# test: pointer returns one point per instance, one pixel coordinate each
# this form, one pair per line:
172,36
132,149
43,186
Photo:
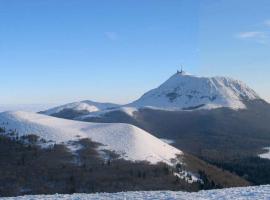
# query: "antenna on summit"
180,72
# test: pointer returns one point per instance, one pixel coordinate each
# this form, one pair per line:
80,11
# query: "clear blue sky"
58,51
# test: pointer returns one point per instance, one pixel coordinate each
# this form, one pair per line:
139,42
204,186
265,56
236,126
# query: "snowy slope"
87,105
183,91
245,193
127,110
129,141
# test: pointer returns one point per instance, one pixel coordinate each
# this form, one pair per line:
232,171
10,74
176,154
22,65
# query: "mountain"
218,119
181,91
47,155
128,141
228,138
185,92
82,107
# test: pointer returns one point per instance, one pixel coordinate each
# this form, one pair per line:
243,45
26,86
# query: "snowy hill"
87,106
129,111
128,141
244,193
187,92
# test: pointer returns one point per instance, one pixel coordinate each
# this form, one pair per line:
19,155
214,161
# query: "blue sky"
58,51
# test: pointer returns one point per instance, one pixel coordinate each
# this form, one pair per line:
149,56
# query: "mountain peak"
183,91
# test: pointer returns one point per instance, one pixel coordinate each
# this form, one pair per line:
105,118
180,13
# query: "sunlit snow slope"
183,91
89,106
129,141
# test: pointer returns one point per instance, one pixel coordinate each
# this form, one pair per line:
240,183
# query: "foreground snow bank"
247,193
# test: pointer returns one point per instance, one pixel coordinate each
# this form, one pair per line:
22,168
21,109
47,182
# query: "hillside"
47,155
128,141
229,138
220,120
82,107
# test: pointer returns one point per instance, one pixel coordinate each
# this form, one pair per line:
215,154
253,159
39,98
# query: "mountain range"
180,92
189,133
217,119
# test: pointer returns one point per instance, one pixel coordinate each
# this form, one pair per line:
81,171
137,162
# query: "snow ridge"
186,92
89,106
130,142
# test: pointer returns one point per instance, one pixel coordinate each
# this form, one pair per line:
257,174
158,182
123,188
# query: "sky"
60,51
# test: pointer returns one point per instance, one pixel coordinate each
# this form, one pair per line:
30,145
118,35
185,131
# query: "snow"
265,155
128,110
168,141
181,91
187,176
245,193
184,91
87,105
130,142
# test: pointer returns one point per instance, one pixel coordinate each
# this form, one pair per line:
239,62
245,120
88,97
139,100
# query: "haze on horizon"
54,52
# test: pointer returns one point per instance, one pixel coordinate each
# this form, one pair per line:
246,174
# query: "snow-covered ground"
265,155
247,193
128,110
183,91
168,141
130,142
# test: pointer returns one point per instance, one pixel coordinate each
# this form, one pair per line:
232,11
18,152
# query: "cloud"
257,36
111,35
260,36
251,34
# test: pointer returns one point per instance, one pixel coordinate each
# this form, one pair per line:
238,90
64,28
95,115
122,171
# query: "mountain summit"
183,91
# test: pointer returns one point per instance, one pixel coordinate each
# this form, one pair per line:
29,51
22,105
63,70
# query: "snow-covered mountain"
130,142
86,106
180,92
186,92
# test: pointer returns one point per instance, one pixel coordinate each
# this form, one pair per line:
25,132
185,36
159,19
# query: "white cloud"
257,36
261,36
111,35
251,34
